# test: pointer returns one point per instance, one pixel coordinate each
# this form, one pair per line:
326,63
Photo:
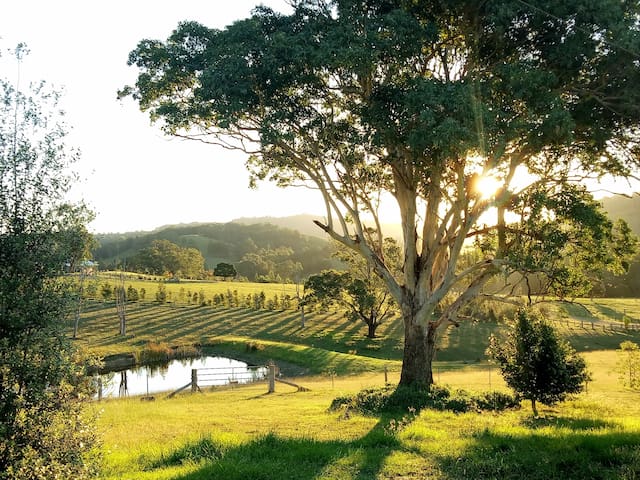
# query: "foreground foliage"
43,431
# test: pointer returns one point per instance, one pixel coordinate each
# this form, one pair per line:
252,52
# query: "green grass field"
246,433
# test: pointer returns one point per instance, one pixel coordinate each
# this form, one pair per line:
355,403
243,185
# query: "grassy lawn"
246,433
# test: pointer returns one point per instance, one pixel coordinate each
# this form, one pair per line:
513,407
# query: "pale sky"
135,178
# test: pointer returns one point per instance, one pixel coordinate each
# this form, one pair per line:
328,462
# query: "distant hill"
626,208
302,223
617,207
223,242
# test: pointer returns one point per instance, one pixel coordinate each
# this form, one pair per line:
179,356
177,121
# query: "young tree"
132,294
536,363
42,380
161,293
121,304
479,119
107,291
358,290
628,364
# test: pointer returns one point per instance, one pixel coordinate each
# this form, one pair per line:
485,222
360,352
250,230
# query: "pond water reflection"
145,380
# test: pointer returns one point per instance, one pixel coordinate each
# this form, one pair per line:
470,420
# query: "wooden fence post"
271,376
386,373
194,380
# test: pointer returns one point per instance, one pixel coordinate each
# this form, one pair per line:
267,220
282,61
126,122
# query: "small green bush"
254,347
399,399
497,401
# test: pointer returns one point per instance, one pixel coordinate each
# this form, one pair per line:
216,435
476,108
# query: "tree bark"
371,333
419,351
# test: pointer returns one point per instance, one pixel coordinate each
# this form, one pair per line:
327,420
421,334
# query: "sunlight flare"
486,186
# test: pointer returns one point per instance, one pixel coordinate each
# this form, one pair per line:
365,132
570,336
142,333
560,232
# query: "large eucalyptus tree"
425,101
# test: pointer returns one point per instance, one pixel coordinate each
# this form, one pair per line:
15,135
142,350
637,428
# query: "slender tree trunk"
419,351
371,333
533,407
76,324
299,299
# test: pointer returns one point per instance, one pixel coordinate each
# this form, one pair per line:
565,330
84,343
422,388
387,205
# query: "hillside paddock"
244,432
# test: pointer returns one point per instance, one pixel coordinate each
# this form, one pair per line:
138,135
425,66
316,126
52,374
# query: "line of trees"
229,299
269,265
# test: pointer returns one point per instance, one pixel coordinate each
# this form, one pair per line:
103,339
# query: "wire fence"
600,325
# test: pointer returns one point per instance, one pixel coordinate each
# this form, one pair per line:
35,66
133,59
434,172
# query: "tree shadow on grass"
274,457
547,455
549,448
575,424
609,312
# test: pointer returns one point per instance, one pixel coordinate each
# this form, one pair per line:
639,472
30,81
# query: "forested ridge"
254,249
297,239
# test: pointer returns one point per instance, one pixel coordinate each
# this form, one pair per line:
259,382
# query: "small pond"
169,377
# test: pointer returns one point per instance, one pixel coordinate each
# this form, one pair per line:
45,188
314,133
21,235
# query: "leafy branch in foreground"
44,432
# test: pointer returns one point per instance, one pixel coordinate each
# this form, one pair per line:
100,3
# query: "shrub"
154,352
132,294
186,351
106,290
254,347
497,401
400,399
161,352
